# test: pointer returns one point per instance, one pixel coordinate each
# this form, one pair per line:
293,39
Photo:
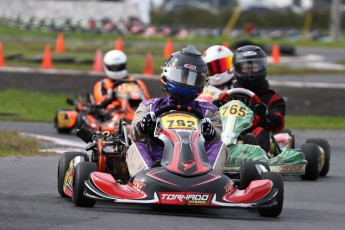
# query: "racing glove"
271,122
147,124
260,109
207,129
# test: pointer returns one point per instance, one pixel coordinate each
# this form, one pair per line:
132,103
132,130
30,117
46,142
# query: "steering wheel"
179,108
244,95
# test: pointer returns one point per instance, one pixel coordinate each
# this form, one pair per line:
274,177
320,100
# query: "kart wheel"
63,165
249,172
327,153
82,173
79,122
277,180
312,155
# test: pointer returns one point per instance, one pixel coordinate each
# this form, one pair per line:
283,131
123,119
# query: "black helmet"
250,65
184,74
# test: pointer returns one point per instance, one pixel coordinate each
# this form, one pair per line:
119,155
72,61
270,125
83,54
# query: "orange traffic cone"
168,50
148,65
47,62
2,61
226,44
98,63
275,54
60,44
118,44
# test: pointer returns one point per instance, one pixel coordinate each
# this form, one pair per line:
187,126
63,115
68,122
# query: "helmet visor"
251,66
185,76
219,66
116,68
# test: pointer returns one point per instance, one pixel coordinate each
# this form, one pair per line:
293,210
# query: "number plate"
233,109
179,121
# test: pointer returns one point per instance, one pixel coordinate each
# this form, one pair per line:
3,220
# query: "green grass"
19,105
83,46
108,39
34,106
315,122
14,144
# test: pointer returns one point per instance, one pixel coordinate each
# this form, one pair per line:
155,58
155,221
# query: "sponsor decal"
138,183
189,66
249,53
187,164
229,187
68,180
185,198
292,168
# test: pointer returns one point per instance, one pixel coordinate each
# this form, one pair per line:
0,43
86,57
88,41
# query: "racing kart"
86,113
310,161
183,177
108,154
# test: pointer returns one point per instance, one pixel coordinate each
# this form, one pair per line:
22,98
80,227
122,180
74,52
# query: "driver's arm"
275,119
137,135
100,93
216,123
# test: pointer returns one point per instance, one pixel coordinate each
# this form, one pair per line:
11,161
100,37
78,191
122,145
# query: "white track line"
58,141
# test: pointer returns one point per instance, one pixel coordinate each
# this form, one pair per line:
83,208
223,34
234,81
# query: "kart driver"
183,76
115,68
221,75
250,69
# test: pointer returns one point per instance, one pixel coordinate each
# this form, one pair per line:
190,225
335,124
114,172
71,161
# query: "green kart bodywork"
237,117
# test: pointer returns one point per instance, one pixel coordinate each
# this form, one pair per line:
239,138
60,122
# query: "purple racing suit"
145,150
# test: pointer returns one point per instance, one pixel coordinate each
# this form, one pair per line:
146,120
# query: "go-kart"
183,177
310,161
108,154
86,113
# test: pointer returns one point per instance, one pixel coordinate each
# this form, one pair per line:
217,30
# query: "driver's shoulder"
208,106
152,101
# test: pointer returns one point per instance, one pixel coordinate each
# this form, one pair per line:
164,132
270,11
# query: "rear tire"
311,154
82,173
63,165
248,172
327,151
277,181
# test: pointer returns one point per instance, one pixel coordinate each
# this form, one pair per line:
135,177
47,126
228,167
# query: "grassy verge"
25,48
108,39
34,106
18,105
14,144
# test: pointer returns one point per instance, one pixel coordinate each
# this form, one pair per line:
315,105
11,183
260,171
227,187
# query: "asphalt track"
29,198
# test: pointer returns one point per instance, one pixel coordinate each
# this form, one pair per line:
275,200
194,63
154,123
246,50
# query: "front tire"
63,165
278,184
248,172
311,154
82,173
327,152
